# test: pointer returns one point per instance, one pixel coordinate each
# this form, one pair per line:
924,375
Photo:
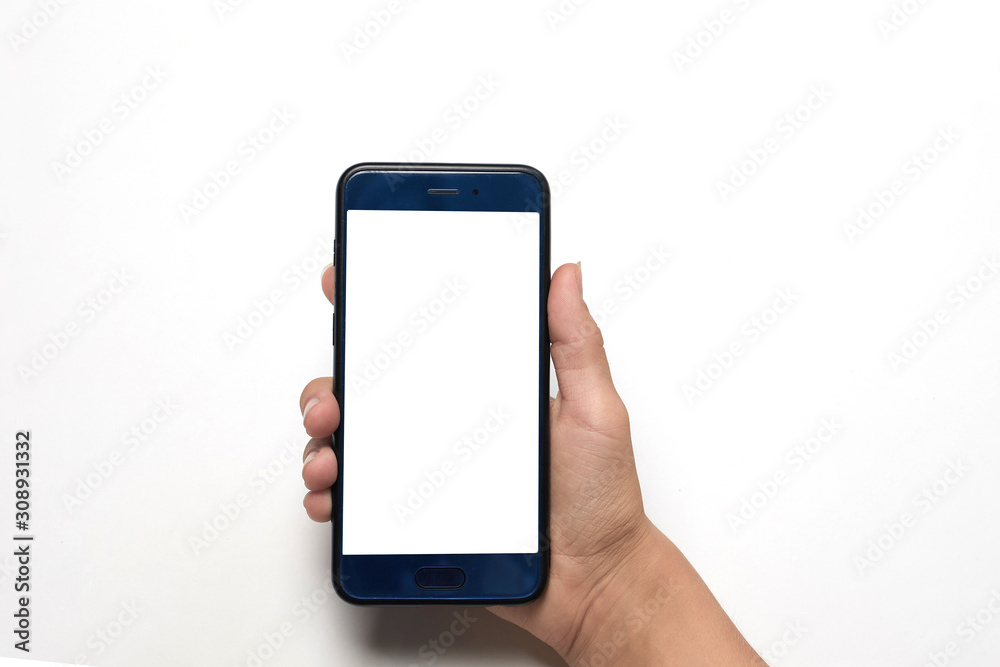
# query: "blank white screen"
441,383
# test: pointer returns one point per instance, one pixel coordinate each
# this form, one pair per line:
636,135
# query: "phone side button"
334,329
440,577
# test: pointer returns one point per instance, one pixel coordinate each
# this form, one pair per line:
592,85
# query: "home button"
440,577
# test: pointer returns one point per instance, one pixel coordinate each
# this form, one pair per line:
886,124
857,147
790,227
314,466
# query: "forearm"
655,609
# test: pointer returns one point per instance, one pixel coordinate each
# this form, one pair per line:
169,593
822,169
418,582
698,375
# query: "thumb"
577,345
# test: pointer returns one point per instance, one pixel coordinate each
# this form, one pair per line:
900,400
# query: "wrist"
635,588
652,607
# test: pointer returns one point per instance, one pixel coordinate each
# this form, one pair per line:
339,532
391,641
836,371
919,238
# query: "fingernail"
310,457
323,272
309,406
579,277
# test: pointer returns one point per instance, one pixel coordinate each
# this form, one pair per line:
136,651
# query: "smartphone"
441,369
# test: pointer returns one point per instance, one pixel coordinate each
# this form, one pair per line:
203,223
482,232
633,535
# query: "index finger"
328,283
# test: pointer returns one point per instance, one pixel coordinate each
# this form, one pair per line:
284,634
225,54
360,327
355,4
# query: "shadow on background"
418,636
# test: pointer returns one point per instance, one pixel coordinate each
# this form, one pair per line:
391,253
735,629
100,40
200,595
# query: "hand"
619,591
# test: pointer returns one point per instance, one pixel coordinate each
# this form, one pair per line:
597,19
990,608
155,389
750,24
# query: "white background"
676,131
